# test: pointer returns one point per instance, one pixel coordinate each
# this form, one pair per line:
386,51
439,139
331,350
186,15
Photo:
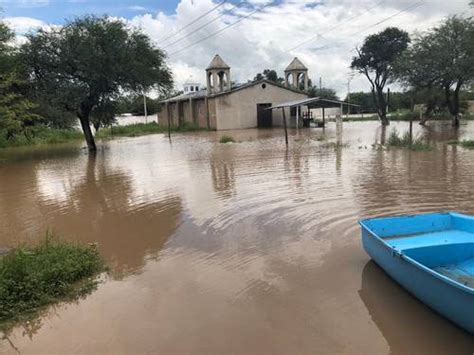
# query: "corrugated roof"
312,101
296,64
217,63
190,95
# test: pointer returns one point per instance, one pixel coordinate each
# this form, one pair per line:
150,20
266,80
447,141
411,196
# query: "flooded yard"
245,248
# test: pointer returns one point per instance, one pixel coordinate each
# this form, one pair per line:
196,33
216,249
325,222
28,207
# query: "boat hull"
455,302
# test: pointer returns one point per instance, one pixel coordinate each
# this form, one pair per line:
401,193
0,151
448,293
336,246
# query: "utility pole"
144,108
320,85
348,96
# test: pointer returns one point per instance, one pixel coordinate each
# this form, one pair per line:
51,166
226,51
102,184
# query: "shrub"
227,139
404,141
32,277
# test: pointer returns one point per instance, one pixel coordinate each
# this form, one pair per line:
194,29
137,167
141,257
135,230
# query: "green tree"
364,99
89,61
376,58
442,59
325,93
16,112
269,74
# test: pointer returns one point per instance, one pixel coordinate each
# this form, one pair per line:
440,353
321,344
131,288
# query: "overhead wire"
171,35
221,30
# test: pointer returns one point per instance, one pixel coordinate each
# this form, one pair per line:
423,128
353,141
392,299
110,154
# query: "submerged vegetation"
397,140
227,139
468,144
140,129
132,130
33,277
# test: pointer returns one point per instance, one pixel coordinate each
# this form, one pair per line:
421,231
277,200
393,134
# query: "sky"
250,35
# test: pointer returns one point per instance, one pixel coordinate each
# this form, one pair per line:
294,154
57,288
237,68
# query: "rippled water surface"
237,248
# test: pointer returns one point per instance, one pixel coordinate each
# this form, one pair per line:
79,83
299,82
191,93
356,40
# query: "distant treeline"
397,101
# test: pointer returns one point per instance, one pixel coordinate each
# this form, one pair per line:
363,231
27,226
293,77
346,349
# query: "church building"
222,105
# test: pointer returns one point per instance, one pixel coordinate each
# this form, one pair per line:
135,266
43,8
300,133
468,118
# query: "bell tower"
296,75
218,76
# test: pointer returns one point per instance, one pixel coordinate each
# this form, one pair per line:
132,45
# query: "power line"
195,30
165,38
221,30
334,27
413,6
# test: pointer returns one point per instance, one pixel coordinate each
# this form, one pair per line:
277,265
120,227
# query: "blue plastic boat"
430,255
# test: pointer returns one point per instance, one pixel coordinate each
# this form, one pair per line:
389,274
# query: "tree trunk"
86,128
452,100
455,121
382,107
96,126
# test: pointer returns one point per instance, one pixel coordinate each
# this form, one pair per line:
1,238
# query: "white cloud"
264,39
136,8
332,29
23,25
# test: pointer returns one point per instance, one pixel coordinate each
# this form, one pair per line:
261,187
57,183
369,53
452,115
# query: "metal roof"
313,102
217,63
296,64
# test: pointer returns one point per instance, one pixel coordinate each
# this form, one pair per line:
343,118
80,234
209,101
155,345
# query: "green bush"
469,144
404,141
227,139
31,277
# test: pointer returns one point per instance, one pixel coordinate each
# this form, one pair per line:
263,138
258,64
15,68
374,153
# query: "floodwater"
246,248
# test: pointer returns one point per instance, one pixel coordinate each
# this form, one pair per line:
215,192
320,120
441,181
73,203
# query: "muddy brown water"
246,248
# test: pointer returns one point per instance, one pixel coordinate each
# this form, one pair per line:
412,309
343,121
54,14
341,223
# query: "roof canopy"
217,63
313,102
296,64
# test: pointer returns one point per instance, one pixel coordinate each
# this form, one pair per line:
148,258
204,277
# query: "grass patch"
41,135
468,144
403,141
33,277
132,130
335,145
141,129
227,139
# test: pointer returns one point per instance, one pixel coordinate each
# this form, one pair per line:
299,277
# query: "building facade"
223,106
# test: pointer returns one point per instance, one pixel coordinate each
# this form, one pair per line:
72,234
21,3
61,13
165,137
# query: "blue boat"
430,255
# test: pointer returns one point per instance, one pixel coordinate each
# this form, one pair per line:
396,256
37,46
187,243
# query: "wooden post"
324,119
144,109
191,111
284,125
206,103
297,117
169,119
411,130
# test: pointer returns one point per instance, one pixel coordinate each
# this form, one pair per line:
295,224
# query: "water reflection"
409,326
98,209
253,244
222,169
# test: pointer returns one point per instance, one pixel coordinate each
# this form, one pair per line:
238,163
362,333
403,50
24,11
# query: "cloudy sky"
250,35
